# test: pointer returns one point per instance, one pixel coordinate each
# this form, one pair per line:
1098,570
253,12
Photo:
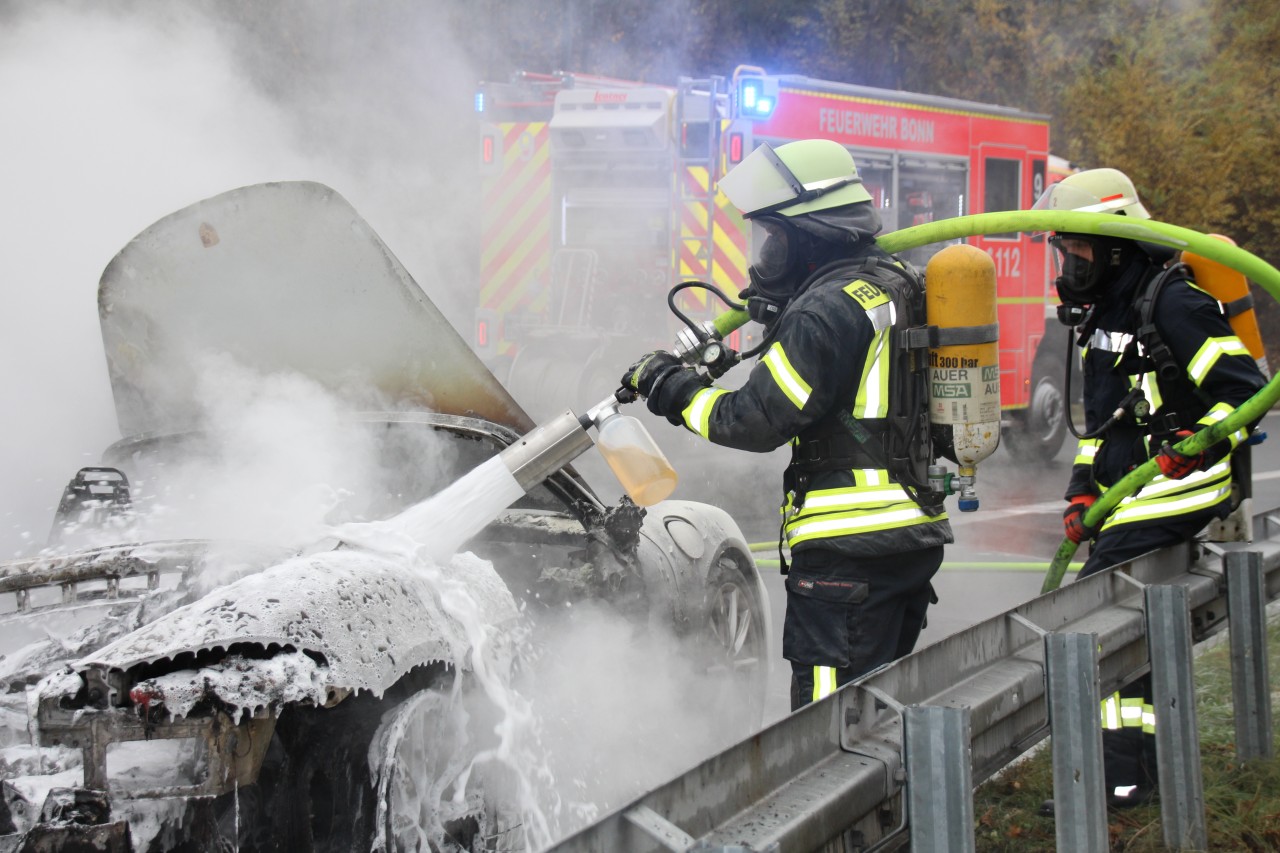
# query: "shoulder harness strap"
1166,366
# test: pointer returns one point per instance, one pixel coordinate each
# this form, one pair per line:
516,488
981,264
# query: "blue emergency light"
480,101
757,97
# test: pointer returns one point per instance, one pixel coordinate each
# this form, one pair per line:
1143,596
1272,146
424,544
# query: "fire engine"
599,195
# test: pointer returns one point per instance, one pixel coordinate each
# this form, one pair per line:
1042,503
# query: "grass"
1242,803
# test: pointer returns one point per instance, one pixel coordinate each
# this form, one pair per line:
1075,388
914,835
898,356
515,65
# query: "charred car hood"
282,277
364,618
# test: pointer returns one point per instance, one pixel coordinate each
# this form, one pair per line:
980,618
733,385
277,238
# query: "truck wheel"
1037,433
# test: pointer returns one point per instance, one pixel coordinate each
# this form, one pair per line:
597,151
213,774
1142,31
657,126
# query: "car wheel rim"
733,626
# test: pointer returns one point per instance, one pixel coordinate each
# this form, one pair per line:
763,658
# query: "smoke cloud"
118,116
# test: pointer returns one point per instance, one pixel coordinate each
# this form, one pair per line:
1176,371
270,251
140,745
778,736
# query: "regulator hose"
1109,225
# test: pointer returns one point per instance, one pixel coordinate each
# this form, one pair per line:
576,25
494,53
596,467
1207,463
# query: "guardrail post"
1177,739
1250,685
939,779
1079,793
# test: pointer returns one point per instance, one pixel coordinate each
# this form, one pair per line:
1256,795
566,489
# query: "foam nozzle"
546,449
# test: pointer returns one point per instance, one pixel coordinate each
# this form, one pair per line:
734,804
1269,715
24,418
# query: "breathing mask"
1088,261
778,265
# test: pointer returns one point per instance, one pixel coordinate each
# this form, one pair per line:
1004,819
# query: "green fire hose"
1109,225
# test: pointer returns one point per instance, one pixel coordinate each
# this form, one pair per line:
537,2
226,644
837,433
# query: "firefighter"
863,551
1159,351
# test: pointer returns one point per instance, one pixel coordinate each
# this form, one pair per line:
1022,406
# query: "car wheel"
415,761
1037,433
736,634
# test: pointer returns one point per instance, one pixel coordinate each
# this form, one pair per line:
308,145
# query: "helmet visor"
762,183
1067,196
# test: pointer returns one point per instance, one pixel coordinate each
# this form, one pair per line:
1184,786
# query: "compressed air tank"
1231,288
964,366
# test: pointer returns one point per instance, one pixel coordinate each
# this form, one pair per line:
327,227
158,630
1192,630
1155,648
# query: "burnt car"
318,687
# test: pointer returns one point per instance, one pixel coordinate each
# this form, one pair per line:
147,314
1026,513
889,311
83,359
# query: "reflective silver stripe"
1111,711
796,389
882,316
1110,341
871,476
824,682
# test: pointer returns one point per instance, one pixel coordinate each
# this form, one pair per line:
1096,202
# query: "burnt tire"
322,798
415,761
315,793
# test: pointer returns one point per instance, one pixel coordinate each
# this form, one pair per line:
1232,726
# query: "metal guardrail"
831,775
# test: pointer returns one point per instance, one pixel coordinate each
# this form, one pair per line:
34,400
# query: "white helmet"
1094,191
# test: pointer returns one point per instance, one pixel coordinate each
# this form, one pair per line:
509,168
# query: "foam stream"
426,536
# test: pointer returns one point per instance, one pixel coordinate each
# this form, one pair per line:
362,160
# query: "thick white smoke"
117,115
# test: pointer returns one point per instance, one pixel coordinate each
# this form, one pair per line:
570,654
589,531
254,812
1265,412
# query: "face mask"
775,252
1081,280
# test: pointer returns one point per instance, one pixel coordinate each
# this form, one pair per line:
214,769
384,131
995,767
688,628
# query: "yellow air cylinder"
1229,287
964,378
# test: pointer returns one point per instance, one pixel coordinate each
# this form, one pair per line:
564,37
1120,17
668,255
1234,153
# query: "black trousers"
1129,754
852,614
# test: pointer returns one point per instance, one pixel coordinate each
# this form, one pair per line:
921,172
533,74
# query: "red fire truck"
599,195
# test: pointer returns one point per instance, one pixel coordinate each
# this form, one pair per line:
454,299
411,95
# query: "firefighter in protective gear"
1202,376
863,551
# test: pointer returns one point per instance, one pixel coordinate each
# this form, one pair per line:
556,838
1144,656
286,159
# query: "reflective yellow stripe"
846,523
1086,450
1151,390
1163,497
1121,712
872,400
1218,413
1209,353
796,389
875,494
866,294
824,682
1111,712
1167,508
697,415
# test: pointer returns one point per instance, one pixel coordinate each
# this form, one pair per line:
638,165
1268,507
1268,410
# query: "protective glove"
1073,518
665,383
1175,465
649,370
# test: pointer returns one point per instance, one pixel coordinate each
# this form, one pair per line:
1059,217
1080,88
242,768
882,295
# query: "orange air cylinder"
964,378
1231,288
